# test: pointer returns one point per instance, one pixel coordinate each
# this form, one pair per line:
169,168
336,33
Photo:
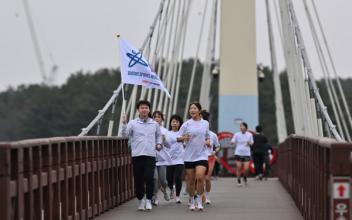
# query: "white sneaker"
178,200
199,203
239,184
148,205
191,205
141,205
207,201
172,194
166,195
155,202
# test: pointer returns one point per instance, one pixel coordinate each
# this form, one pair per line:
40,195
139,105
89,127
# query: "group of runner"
161,156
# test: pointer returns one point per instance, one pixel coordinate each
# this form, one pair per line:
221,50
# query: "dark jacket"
260,142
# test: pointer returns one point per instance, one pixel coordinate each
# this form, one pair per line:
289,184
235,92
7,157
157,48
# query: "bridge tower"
238,86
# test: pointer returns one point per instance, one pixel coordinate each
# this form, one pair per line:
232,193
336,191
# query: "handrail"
308,167
64,177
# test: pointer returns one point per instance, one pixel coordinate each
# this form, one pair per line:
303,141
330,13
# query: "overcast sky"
80,35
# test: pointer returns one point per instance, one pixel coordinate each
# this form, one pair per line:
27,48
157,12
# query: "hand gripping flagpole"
123,108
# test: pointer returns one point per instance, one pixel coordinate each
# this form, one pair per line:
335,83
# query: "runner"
215,145
174,171
242,140
195,134
145,137
162,160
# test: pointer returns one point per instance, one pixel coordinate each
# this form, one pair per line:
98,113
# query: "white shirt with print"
195,148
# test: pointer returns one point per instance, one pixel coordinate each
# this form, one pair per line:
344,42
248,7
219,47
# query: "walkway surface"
261,200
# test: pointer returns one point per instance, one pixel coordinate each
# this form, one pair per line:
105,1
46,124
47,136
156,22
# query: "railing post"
63,178
5,170
340,181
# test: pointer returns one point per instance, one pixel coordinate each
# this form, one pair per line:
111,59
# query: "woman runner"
195,134
162,160
242,140
174,171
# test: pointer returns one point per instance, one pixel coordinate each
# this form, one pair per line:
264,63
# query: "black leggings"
174,172
143,172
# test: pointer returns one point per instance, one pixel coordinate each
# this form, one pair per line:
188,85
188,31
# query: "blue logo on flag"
136,58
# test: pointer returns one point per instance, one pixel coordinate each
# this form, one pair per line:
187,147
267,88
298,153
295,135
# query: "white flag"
136,70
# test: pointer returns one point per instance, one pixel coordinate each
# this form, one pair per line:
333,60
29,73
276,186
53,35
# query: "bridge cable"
180,63
172,64
195,61
293,66
327,79
345,104
309,72
209,60
279,111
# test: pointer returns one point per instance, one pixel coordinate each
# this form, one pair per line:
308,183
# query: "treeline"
36,111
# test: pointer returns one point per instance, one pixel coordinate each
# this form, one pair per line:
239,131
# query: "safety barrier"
64,178
317,173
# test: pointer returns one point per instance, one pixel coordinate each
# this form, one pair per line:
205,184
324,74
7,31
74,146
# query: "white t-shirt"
214,141
241,141
163,157
176,149
195,149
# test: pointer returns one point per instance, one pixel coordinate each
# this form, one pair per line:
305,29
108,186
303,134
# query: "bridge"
90,176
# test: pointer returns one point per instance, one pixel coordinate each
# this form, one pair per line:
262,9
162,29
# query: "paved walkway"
266,200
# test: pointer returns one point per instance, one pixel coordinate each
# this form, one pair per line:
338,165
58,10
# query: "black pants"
267,165
143,172
174,172
258,163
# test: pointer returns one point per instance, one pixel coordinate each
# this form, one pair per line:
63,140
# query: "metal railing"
307,168
64,178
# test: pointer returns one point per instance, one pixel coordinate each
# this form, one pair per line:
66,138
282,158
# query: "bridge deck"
265,200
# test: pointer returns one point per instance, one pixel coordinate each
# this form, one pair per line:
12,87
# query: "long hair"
205,115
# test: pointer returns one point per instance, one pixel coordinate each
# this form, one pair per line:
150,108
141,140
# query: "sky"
81,35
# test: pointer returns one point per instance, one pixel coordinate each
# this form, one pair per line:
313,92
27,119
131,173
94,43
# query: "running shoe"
148,205
166,195
178,200
191,207
155,201
199,203
172,194
141,205
207,201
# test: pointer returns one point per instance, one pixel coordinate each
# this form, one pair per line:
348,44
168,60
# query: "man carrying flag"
143,132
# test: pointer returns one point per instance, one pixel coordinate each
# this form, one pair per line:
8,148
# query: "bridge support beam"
238,88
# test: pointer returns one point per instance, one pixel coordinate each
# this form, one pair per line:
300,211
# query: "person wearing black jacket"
258,151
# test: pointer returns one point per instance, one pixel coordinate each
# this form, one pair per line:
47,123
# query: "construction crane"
48,79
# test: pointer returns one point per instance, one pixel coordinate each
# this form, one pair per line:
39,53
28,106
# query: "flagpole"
123,100
123,108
